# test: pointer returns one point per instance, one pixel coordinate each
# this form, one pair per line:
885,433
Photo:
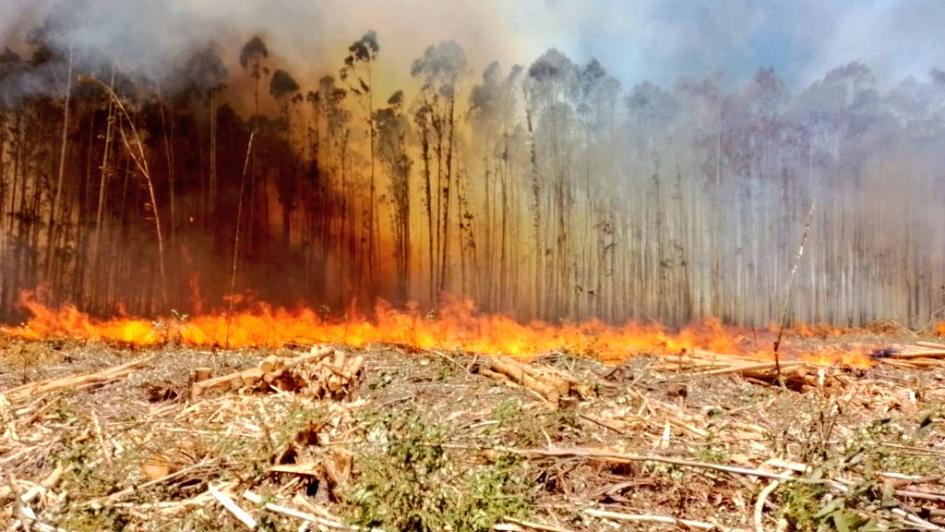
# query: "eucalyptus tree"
594,94
492,116
546,88
11,64
440,70
253,56
393,127
358,71
339,230
204,77
283,88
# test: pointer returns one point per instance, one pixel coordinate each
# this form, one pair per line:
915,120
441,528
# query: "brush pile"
321,373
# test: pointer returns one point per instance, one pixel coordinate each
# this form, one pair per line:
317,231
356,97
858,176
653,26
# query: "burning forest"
362,267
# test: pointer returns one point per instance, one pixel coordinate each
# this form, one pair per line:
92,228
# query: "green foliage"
811,507
522,428
809,504
408,481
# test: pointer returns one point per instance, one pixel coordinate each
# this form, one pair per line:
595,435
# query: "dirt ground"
429,441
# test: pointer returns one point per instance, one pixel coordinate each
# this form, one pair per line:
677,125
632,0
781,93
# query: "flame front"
456,327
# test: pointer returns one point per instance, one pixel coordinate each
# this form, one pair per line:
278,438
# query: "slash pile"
321,373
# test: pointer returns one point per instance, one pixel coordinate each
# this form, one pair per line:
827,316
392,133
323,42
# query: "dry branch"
296,514
649,518
605,455
550,383
73,382
760,504
242,515
317,373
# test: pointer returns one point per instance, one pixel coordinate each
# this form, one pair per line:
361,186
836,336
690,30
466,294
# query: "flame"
940,329
813,330
456,327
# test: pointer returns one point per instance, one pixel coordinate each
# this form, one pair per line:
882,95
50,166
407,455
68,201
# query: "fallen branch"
649,518
760,504
610,456
118,495
242,515
550,383
752,369
296,514
535,526
74,382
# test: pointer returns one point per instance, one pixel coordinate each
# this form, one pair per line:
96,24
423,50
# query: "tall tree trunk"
63,146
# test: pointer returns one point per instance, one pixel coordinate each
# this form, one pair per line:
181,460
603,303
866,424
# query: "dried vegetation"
99,437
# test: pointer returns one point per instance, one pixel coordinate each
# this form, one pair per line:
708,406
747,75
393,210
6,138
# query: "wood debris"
72,382
279,438
322,372
548,382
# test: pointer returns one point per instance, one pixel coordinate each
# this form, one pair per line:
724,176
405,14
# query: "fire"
456,327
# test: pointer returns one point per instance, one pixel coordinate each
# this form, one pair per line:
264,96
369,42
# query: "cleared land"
436,440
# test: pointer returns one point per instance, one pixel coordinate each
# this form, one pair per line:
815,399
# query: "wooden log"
354,366
316,354
919,353
334,383
515,371
339,360
202,374
269,364
754,369
546,375
934,345
252,376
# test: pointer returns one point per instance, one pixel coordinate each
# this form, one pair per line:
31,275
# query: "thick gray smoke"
151,38
637,40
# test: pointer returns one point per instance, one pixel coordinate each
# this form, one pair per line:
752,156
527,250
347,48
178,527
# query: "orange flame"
457,327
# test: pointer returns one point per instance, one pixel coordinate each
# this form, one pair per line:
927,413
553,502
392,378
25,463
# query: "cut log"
321,372
202,374
549,384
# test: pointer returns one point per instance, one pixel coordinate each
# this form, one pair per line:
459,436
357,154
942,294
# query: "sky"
801,39
636,40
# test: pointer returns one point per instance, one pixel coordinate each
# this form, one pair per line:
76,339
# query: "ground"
431,441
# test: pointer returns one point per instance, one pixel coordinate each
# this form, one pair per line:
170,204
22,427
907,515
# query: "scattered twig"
296,514
242,515
649,518
119,495
610,456
760,504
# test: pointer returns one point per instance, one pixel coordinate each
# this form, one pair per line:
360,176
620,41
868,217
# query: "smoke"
151,38
782,124
636,40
